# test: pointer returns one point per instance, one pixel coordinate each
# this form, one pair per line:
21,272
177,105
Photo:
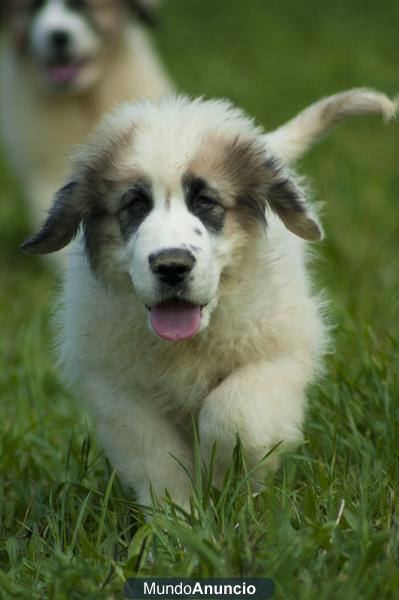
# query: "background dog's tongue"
176,321
62,73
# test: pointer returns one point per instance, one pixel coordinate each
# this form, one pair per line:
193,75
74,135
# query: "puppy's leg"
263,403
141,445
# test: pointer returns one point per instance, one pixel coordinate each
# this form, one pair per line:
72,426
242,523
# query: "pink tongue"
63,73
176,321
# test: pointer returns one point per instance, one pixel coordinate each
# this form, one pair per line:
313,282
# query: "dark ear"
143,11
3,10
287,200
61,224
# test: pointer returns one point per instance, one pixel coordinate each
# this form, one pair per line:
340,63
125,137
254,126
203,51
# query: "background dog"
63,63
193,231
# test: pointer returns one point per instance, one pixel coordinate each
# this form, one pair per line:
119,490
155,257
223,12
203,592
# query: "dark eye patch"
136,204
204,203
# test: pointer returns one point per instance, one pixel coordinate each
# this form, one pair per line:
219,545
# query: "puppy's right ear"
61,225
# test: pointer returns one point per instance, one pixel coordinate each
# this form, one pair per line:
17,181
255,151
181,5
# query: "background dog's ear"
3,10
143,10
286,199
61,225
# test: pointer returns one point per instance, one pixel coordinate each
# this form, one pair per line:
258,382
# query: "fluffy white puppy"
63,63
187,292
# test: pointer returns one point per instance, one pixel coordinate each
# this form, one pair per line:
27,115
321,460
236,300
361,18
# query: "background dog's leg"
263,403
141,445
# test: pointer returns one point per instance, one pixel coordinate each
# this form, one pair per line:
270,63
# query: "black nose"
59,39
172,265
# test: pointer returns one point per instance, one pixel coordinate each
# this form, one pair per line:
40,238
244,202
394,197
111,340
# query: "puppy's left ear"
143,10
287,200
62,223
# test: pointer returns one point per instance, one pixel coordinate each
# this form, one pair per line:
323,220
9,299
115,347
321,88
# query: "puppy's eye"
203,203
135,200
135,206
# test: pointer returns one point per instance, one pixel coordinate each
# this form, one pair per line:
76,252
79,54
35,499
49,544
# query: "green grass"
327,524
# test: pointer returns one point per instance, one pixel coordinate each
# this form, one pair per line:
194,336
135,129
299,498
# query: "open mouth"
63,72
176,320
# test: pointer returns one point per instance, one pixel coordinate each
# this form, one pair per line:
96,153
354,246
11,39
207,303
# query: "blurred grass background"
327,524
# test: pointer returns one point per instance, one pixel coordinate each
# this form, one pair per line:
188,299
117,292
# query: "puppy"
187,291
63,63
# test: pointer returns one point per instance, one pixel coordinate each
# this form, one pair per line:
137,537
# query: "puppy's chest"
173,377
179,381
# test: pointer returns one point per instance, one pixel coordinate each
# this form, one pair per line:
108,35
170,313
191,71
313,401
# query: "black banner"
196,589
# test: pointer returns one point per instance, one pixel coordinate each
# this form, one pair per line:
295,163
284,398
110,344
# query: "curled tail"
294,138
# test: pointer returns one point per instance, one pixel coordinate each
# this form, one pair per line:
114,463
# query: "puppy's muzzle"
172,266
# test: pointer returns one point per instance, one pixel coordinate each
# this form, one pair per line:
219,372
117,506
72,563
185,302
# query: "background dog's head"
170,196
69,41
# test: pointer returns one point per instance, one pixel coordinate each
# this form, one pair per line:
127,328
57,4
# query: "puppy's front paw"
217,430
221,420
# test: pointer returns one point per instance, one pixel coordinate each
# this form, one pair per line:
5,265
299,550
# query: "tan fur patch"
236,167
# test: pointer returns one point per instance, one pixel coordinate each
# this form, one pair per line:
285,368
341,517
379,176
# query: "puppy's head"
69,41
170,196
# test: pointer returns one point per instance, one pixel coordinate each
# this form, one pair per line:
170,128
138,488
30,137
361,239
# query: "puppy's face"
68,41
170,197
174,253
